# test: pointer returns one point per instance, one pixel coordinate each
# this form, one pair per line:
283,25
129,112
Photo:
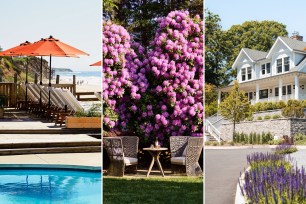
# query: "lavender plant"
272,179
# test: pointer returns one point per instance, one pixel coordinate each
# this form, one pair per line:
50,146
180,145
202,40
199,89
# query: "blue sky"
291,13
75,22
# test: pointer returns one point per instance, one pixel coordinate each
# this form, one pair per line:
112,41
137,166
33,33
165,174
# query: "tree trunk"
234,128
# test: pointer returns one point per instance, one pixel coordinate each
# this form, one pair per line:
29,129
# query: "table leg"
160,166
151,165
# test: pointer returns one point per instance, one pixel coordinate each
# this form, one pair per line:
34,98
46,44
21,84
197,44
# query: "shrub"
259,118
285,149
252,138
258,107
280,104
276,116
303,103
250,118
159,93
293,109
267,117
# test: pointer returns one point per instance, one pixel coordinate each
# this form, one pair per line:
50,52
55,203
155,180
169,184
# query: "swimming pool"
49,186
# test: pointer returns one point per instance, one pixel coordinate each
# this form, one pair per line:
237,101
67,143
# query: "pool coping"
51,166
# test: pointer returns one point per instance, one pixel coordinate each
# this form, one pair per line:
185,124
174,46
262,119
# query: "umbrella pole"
50,84
26,82
40,80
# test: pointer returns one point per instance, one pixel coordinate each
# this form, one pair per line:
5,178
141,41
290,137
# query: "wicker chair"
186,151
122,152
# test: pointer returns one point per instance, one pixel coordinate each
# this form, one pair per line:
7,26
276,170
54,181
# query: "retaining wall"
277,127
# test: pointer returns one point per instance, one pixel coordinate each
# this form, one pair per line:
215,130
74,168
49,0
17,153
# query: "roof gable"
291,44
252,55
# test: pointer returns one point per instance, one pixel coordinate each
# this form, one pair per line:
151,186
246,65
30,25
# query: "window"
284,90
250,96
249,73
263,93
243,74
279,65
268,68
288,89
263,69
276,91
286,64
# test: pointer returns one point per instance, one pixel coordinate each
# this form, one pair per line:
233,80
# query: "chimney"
296,36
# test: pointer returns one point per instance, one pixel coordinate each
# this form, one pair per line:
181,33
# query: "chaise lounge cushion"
130,160
178,160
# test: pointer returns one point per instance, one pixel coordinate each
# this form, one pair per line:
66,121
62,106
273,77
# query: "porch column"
280,89
219,98
297,87
257,93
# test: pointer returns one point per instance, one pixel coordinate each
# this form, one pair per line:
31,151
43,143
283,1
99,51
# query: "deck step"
49,144
81,149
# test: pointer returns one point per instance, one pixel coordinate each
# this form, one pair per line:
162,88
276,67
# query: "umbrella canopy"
50,47
15,50
97,64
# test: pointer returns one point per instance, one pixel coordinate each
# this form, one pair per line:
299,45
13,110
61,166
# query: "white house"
279,74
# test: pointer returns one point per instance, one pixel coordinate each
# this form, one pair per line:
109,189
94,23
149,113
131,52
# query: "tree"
258,35
236,107
216,50
211,97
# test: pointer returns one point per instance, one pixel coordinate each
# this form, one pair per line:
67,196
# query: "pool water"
45,186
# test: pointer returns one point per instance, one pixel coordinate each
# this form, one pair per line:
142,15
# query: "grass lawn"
153,190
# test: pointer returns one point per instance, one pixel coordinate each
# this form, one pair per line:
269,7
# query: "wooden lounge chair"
98,95
186,151
122,152
72,103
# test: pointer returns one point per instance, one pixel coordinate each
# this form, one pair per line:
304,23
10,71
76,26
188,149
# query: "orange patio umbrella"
51,47
15,52
97,64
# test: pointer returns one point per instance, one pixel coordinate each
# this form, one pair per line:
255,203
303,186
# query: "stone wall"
278,127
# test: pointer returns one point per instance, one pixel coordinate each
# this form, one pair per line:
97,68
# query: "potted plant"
85,119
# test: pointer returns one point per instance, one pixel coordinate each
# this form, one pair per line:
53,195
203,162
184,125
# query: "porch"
281,87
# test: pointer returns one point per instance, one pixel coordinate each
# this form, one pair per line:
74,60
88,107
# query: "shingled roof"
294,44
255,55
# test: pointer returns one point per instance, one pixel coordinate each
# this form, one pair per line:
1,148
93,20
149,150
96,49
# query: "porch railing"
274,98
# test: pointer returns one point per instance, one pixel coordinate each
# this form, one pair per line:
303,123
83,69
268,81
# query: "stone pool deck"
90,161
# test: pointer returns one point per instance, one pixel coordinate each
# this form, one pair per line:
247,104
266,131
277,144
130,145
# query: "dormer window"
279,65
249,73
243,74
283,65
286,64
263,69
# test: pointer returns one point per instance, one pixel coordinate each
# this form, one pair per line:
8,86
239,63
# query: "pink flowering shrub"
175,70
116,78
159,93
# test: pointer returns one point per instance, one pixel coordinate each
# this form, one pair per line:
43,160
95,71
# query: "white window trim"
283,65
266,73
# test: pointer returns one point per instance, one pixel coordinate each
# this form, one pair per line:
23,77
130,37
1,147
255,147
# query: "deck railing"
8,93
